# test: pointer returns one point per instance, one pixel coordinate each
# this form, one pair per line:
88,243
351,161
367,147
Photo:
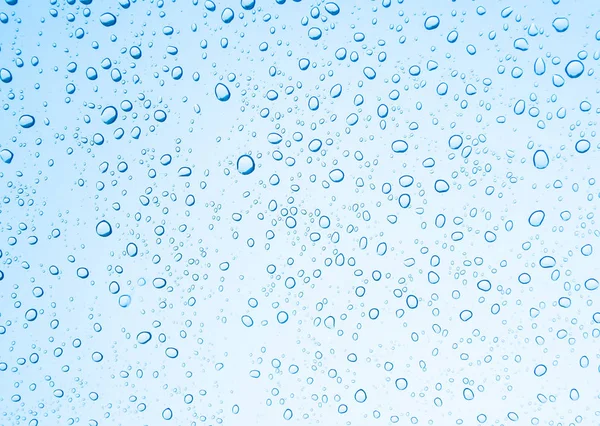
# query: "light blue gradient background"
57,179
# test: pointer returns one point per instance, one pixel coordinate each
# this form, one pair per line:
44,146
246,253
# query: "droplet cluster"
276,211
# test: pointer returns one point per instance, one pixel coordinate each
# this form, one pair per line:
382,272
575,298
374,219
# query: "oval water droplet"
574,69
172,352
540,159
144,337
109,115
561,24
539,67
401,383
399,146
432,22
5,75
591,284
582,146
247,4
314,33
26,121
245,164
336,175
332,8
455,141
222,92
360,396
103,228
536,218
227,15
547,262
6,155
540,370
108,19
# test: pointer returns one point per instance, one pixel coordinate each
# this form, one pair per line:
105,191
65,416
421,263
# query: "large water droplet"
5,75
245,164
574,68
248,4
314,33
227,15
26,121
332,8
222,92
336,175
399,146
401,383
561,24
360,396
521,44
109,115
539,67
540,159
103,228
108,19
432,22
455,141
144,337
6,156
536,218
582,146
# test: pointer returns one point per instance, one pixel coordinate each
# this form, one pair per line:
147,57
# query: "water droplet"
539,67
83,272
591,284
468,394
6,155
582,146
432,22
560,24
222,92
227,15
26,121
336,175
441,186
540,159
547,262
144,337
5,75
401,383
452,36
332,8
536,218
484,285
360,396
103,228
171,352
587,250
466,315
574,69
455,141
540,370
314,33
109,115
247,4
108,19
521,44
399,146
167,414
245,164
31,315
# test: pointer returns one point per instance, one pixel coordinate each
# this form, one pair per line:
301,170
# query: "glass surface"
289,212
